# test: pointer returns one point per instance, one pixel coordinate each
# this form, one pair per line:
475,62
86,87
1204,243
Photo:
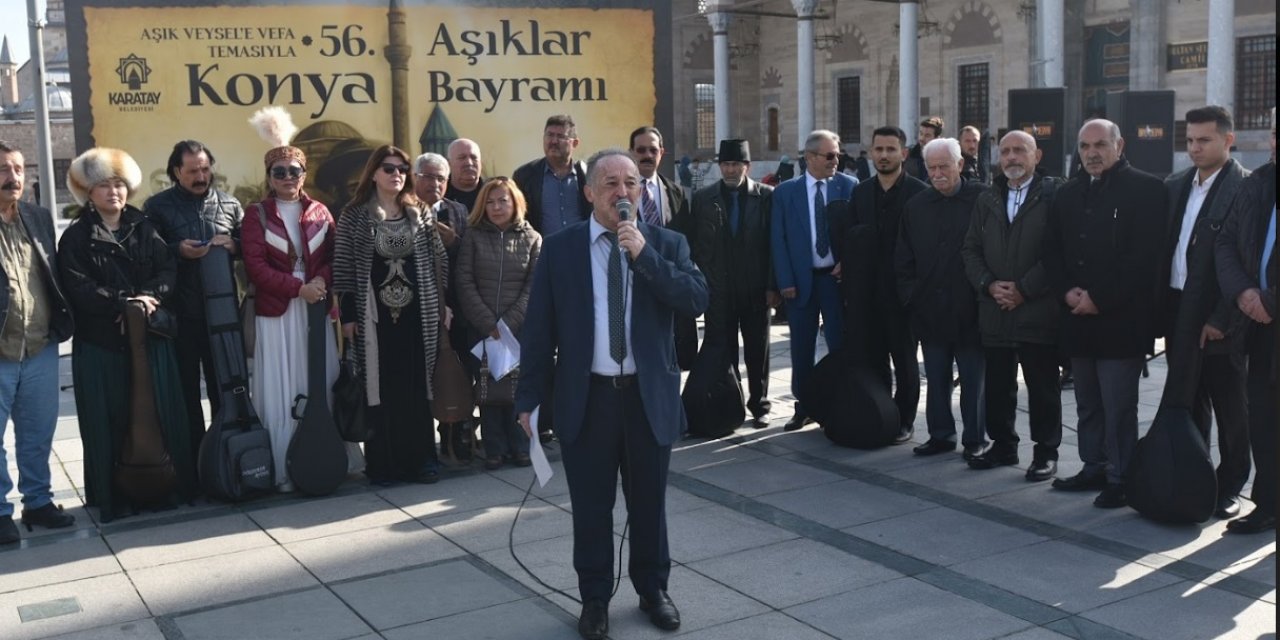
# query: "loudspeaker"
1041,112
1146,124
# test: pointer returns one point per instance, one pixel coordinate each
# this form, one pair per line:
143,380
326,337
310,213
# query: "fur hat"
99,164
275,125
734,150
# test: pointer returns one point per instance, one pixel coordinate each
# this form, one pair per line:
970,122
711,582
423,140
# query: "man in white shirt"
1206,367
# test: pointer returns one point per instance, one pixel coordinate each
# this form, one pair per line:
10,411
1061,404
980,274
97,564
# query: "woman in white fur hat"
109,257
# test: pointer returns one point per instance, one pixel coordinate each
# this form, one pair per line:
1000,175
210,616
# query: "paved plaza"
775,536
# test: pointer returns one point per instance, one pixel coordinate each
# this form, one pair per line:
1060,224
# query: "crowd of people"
981,269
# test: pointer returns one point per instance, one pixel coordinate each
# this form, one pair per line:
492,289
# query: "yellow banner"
160,75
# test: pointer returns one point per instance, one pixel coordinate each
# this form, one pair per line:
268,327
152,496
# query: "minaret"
8,77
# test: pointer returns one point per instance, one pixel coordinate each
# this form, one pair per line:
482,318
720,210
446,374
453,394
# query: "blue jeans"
938,357
29,395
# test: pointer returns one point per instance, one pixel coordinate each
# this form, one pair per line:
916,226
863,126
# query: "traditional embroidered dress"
385,271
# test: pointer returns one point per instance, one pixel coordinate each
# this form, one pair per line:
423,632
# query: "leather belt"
617,382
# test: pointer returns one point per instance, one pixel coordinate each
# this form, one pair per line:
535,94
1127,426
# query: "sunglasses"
391,168
829,157
283,173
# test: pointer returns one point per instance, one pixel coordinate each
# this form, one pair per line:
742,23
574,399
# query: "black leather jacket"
180,215
101,270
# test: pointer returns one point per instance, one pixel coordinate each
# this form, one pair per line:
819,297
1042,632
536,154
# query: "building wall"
998,32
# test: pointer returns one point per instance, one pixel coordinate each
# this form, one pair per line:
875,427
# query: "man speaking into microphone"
600,325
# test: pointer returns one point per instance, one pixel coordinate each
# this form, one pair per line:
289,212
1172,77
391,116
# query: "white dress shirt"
602,361
811,189
1017,196
1195,200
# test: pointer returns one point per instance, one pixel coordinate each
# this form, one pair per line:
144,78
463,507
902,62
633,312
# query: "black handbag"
350,403
163,323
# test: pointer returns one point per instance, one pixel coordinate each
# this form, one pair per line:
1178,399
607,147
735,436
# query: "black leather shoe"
1228,507
972,452
8,531
995,457
593,624
1112,497
760,421
1041,470
49,516
934,447
662,611
1253,523
1081,482
796,422
905,434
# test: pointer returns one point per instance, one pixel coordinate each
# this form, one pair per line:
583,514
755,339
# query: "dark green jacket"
995,249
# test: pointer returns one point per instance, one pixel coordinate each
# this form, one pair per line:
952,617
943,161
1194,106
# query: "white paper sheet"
541,467
504,352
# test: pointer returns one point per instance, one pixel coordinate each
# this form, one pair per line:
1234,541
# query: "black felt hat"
735,151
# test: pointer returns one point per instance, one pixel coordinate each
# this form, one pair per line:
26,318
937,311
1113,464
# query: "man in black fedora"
729,240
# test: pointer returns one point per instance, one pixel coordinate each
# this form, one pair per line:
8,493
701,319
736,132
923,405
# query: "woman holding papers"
495,275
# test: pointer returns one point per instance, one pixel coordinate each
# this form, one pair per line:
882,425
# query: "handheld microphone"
624,208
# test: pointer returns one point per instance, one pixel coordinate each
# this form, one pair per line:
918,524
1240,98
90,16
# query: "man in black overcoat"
1102,255
879,203
1245,257
729,240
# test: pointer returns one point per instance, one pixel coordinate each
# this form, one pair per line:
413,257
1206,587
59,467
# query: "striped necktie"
648,205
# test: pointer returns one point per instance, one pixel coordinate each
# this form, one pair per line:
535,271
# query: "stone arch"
853,46
974,24
700,53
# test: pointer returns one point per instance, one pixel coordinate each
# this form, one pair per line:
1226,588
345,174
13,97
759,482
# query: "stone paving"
774,536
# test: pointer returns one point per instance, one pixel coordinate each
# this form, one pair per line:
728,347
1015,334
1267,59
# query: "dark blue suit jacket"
557,340
792,234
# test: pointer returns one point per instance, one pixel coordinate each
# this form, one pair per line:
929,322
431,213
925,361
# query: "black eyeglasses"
392,168
282,173
829,157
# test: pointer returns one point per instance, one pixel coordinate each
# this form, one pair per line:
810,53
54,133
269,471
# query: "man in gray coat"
1017,311
431,181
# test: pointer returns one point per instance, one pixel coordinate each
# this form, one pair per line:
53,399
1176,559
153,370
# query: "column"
44,146
1220,86
720,39
398,53
1049,20
804,67
1146,26
908,68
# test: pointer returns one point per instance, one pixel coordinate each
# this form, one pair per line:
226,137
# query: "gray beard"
1015,173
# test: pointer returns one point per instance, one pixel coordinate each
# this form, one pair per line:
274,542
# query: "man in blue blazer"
804,257
597,344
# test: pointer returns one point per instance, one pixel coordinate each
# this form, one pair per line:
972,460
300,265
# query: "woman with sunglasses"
495,276
389,273
287,242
